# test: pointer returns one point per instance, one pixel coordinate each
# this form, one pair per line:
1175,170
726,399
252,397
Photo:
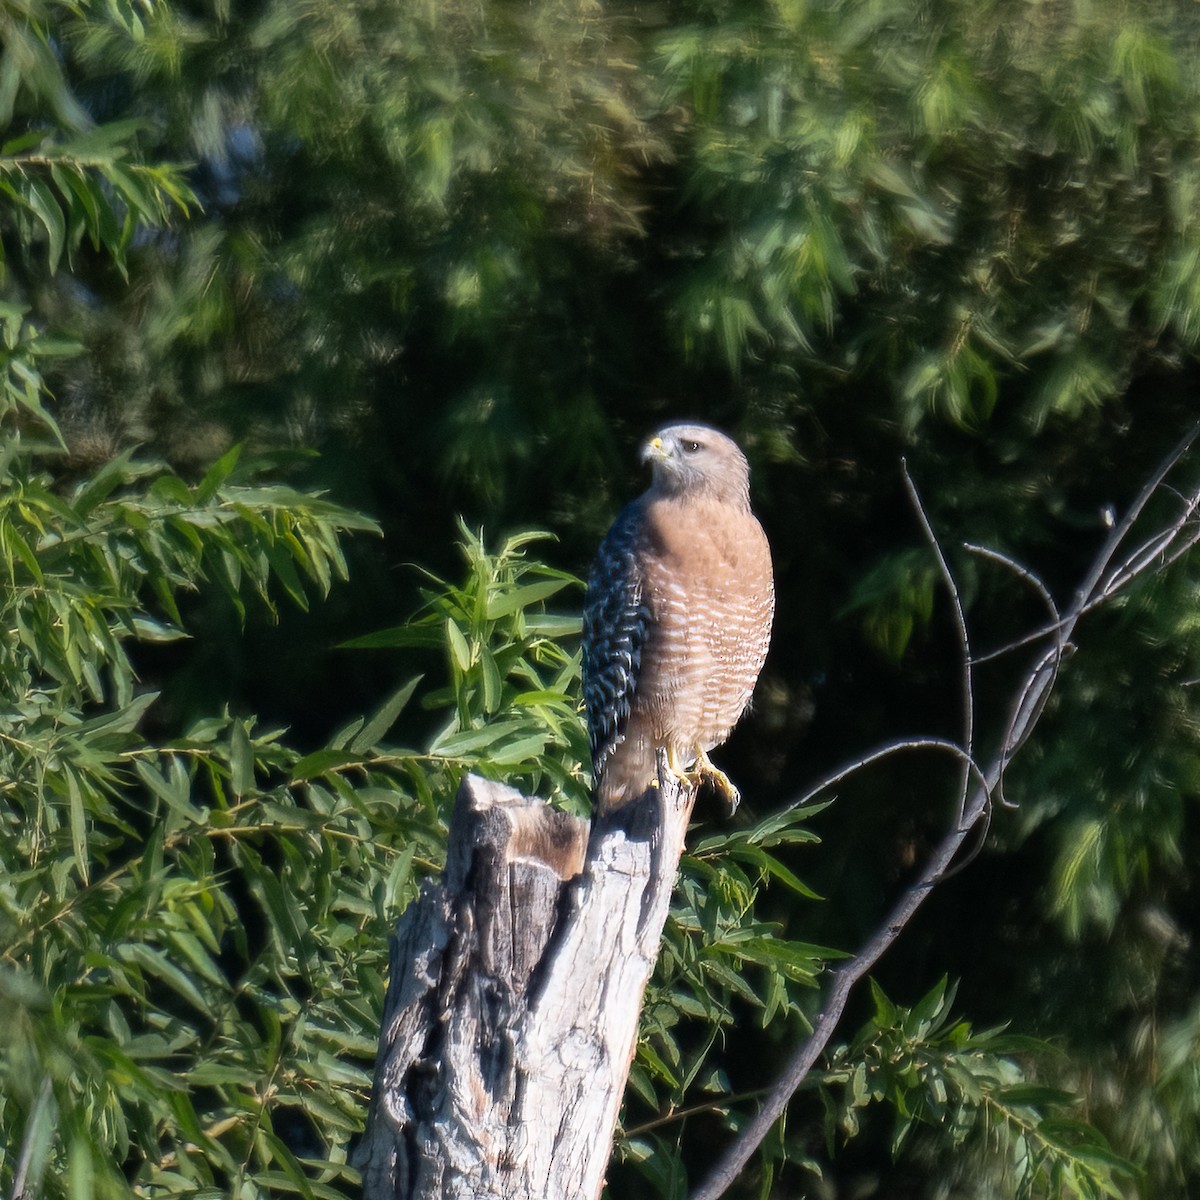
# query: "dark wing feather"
615,621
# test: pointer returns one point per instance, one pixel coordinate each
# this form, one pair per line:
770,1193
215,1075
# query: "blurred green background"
445,264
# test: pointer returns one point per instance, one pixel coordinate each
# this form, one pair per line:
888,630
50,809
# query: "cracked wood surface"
516,980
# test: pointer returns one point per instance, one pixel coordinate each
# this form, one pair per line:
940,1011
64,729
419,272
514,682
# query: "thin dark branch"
1098,585
1119,578
1031,700
1139,561
843,980
1121,530
1155,548
1027,639
1056,655
960,624
1090,594
982,827
1173,557
1036,583
717,1104
900,746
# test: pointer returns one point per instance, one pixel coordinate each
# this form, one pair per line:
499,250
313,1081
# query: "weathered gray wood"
512,1007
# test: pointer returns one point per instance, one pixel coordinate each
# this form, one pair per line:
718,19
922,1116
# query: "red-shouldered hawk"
677,617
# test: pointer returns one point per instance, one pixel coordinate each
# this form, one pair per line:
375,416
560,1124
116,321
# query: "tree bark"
512,1007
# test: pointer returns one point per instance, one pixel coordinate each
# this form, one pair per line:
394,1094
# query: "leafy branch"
935,1070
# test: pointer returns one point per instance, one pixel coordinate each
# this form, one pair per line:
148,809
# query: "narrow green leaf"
493,686
217,474
189,948
41,200
79,844
385,716
470,741
510,600
81,1175
156,963
241,760
37,1139
168,792
320,761
520,750
460,652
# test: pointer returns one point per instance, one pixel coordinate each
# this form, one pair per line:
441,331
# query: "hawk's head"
698,459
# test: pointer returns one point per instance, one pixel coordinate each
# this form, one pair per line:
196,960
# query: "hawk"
677,618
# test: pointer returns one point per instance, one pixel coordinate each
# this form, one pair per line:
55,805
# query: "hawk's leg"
705,772
701,772
669,762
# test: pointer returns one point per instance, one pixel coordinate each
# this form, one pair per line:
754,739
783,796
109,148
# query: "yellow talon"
705,773
668,765
701,773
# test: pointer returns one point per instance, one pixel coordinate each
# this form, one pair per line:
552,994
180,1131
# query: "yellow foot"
705,773
701,773
669,767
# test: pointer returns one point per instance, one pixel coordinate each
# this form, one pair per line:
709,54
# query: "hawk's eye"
690,447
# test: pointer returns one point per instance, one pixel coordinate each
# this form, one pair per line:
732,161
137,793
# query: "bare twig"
1100,584
887,750
1155,548
718,1104
1056,654
1031,699
1121,530
964,640
1036,583
1091,594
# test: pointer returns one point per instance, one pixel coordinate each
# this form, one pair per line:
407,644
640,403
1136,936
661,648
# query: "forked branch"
1115,567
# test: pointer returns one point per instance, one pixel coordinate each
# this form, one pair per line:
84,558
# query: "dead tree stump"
512,1007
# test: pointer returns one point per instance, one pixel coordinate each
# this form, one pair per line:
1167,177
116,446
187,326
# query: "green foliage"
470,252
64,191
719,962
71,179
894,600
180,919
933,1070
410,187
512,683
987,194
80,568
197,929
719,956
24,348
197,1012
157,1032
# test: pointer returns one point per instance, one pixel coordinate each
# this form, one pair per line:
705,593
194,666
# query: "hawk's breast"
711,599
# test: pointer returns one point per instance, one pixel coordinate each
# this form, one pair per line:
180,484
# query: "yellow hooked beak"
655,449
